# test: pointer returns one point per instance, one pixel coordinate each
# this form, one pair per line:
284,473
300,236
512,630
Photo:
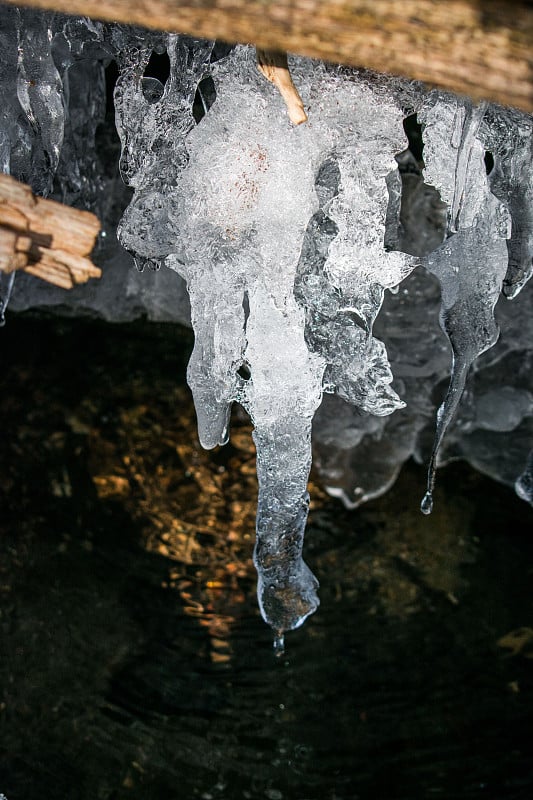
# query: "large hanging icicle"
237,225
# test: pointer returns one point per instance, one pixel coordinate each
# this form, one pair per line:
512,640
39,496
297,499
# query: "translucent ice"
508,137
10,107
246,197
39,91
254,197
472,262
524,483
6,288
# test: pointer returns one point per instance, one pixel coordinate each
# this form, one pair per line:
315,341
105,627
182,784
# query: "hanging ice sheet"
287,238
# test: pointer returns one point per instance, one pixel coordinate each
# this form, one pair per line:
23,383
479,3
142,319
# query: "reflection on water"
134,660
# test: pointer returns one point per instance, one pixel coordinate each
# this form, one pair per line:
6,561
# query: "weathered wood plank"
45,238
482,48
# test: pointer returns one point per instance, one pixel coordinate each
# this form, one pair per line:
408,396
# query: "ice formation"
477,228
287,238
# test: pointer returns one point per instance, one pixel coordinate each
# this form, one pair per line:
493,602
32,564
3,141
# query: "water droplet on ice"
279,644
426,506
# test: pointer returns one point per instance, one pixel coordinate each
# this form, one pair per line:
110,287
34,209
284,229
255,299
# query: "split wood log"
482,48
45,238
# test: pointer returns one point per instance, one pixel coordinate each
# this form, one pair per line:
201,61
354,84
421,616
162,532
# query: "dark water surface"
133,661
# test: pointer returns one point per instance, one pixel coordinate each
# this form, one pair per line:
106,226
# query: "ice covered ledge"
479,49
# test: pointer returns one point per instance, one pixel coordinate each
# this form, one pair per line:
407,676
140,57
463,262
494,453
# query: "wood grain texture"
274,66
482,48
45,238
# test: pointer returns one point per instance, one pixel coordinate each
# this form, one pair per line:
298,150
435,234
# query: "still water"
133,660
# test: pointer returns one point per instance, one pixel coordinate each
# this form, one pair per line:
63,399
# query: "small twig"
274,66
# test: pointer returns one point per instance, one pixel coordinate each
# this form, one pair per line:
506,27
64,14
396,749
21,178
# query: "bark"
481,48
45,238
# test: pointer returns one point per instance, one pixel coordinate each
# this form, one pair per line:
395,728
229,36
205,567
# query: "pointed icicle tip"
279,644
426,506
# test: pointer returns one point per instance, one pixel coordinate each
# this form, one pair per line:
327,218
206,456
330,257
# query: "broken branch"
274,66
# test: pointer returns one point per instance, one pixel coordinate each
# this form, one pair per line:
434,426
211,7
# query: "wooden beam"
45,238
482,48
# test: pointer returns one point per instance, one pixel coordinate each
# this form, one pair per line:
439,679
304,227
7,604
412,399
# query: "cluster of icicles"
287,236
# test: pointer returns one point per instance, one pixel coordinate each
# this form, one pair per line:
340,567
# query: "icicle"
247,198
5,294
152,133
79,171
141,262
524,484
9,111
9,107
468,120
472,262
250,188
39,90
286,589
508,137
